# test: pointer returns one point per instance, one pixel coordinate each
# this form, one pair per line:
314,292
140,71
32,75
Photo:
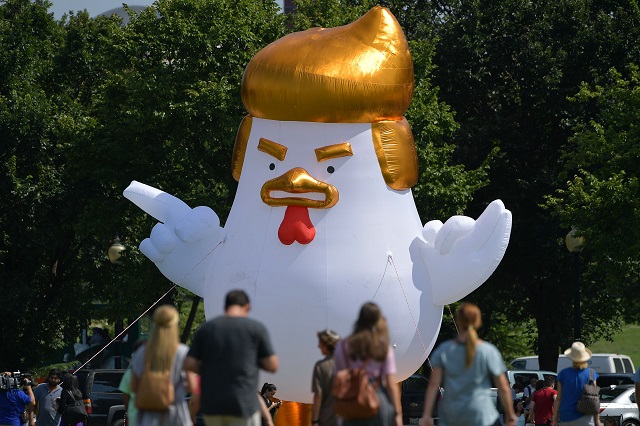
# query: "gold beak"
298,181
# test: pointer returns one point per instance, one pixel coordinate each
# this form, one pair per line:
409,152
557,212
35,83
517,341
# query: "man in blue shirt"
13,402
636,379
45,395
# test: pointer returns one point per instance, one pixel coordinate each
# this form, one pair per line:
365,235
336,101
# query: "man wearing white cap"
571,381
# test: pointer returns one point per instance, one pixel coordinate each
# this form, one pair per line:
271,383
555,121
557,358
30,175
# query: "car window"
519,364
617,363
106,382
633,397
628,368
612,379
607,394
524,378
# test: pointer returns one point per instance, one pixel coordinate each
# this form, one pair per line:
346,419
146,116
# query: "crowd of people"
220,372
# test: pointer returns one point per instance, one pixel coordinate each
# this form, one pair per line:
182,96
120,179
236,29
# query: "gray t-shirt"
467,396
47,414
322,382
230,350
178,413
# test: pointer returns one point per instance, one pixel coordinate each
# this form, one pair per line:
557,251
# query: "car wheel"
630,423
118,423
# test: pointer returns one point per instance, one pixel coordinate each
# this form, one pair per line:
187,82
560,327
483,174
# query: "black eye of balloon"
272,166
331,169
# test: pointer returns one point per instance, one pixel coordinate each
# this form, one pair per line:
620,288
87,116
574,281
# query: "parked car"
614,379
524,376
601,363
619,403
412,399
102,399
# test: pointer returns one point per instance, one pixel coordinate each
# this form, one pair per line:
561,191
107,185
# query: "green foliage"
85,106
326,13
508,70
600,196
35,235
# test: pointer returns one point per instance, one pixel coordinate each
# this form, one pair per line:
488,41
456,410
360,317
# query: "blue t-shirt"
572,381
12,403
47,414
467,391
636,377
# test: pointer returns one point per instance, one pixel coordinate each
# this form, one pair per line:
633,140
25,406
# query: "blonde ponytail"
470,345
469,317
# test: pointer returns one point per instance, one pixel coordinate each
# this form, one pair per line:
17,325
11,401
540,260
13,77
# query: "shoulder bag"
73,411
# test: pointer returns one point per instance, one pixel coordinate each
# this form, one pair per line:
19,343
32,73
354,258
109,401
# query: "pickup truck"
102,399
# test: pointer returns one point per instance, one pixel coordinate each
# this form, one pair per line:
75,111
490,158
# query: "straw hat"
578,352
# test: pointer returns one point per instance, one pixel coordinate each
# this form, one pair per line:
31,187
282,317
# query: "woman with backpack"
570,383
70,403
368,347
467,367
158,378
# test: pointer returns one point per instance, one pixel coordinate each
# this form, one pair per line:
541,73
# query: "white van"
601,363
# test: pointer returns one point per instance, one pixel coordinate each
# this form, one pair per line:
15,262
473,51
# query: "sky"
96,7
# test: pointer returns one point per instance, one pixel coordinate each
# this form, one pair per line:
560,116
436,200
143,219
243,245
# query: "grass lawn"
626,342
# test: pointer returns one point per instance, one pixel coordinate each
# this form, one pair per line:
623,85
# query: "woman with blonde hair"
467,367
369,346
571,381
164,353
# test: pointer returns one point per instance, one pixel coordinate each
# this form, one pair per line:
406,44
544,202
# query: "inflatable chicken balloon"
324,219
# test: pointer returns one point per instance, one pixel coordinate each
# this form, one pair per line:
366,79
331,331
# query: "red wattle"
296,226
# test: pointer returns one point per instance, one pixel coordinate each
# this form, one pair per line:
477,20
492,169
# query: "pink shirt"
373,367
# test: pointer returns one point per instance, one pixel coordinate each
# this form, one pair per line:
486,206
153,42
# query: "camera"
15,380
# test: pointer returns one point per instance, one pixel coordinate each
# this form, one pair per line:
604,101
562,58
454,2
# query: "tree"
508,69
600,197
36,235
87,104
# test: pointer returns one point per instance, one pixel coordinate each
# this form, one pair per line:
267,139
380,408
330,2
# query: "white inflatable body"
361,252
370,246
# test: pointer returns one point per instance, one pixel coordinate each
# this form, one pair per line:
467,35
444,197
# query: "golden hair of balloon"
357,73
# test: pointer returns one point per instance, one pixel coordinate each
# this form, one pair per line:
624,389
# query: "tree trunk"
192,316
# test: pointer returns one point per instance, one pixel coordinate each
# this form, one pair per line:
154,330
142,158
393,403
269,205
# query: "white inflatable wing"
462,254
184,238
